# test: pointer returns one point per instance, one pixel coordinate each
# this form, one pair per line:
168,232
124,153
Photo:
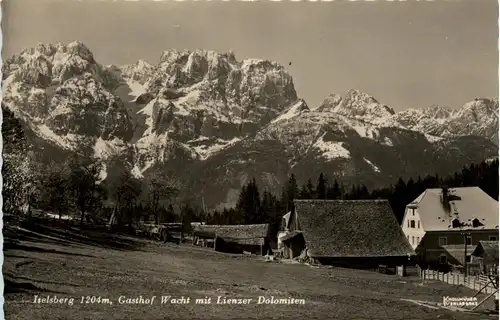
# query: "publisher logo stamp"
459,301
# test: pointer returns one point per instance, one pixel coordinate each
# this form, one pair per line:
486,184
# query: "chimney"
445,199
444,194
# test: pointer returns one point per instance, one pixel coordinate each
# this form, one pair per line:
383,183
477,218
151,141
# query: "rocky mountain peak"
330,102
480,106
438,112
357,105
141,71
205,116
47,64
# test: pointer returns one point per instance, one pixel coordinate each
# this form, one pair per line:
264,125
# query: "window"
412,223
408,223
469,241
493,238
413,212
476,223
418,224
442,259
408,236
412,240
443,241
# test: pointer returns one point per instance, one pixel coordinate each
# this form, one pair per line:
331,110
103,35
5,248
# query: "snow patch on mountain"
206,151
136,89
67,142
331,149
103,173
387,142
375,168
366,131
294,111
103,149
432,138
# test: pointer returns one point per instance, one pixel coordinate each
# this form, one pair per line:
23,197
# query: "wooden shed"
486,254
349,233
254,238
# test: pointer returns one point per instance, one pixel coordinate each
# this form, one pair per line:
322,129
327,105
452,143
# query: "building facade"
440,222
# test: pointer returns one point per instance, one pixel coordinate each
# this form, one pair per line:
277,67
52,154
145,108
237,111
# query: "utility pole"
465,234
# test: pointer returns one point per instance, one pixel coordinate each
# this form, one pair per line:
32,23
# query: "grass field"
49,261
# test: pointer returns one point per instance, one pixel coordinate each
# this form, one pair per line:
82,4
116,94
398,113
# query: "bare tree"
160,188
20,182
19,168
56,186
125,194
84,184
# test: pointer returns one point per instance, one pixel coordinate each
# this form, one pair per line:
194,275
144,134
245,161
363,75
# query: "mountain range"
213,122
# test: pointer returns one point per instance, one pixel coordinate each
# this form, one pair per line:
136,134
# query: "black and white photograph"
250,159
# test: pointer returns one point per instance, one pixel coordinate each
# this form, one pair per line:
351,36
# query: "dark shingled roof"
245,233
457,251
351,228
488,249
290,235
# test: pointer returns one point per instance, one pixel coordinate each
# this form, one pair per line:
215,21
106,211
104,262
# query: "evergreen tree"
292,192
334,192
310,189
249,203
363,193
321,189
304,193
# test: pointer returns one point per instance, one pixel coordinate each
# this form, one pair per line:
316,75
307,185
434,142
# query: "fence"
472,282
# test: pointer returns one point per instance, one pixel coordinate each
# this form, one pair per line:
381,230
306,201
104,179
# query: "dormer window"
476,223
456,223
412,224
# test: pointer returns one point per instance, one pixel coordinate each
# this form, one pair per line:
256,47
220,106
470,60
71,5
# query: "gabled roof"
245,231
286,217
351,228
290,235
474,203
487,249
457,252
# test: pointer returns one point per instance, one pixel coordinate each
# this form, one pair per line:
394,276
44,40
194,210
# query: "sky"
408,54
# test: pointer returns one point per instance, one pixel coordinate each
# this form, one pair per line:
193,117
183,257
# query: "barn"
348,233
254,238
486,254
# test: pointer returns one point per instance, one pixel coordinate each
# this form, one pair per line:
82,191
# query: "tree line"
76,185
252,207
